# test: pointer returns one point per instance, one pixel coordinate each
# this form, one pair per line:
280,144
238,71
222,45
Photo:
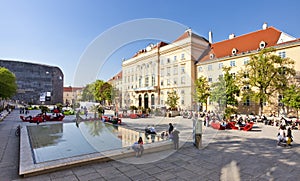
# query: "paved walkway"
226,155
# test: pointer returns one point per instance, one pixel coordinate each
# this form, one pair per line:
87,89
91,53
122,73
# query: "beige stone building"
116,82
72,94
158,69
236,51
153,72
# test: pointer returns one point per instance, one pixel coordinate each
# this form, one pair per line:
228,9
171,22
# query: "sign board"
43,96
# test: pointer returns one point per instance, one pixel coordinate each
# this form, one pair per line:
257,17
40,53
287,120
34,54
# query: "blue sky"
57,32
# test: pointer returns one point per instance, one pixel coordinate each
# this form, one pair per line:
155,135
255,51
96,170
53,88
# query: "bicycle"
18,130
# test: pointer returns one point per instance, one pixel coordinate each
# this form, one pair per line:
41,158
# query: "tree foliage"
291,97
88,92
8,85
225,91
202,90
266,73
172,100
103,91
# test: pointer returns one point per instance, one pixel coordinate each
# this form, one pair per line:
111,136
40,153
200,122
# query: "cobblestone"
226,155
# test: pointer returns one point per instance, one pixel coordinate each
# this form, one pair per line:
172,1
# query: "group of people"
284,136
172,133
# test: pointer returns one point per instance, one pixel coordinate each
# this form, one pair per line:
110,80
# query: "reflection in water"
64,140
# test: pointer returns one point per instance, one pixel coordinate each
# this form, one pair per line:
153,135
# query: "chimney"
231,36
210,37
264,26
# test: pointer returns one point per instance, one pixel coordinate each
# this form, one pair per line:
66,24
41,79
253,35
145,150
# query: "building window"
168,60
246,87
247,102
146,81
182,102
162,61
246,75
209,67
182,80
220,76
175,81
209,79
162,83
182,56
282,54
175,58
140,81
182,91
220,65
246,61
233,75
168,71
182,70
200,69
162,72
232,63
175,70
282,70
153,80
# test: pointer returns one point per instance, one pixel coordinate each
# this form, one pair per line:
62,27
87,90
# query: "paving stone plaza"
225,155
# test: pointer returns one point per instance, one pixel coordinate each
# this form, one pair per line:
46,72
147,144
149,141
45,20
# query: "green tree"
103,91
266,74
225,92
172,100
8,85
291,97
88,92
202,90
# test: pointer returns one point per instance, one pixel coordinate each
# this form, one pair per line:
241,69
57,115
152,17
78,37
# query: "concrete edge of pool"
27,167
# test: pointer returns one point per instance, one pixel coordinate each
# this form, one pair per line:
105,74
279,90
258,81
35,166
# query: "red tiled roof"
118,76
244,43
160,44
71,89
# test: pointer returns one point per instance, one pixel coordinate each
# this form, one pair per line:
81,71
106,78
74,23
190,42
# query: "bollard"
197,133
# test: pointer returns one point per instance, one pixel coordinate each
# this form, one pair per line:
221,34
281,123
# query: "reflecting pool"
63,140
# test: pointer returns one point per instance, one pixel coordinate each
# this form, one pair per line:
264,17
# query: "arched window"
152,99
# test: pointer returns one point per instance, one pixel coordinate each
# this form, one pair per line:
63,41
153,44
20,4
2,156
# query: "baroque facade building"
158,69
236,53
36,83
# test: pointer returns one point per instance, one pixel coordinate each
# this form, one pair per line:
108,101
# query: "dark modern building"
37,83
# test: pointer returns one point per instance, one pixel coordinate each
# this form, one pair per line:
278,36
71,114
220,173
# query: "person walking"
171,127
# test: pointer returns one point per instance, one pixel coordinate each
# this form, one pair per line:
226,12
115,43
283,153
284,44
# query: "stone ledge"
27,167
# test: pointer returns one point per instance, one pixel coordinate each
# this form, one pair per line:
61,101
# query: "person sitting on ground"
281,134
162,135
224,123
138,147
289,137
152,130
240,121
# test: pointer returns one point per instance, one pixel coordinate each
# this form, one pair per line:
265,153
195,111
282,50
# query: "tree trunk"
261,107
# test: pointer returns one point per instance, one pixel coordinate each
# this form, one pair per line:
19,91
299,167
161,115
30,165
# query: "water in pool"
63,140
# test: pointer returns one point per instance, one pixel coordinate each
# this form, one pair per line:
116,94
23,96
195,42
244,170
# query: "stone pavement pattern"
229,155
